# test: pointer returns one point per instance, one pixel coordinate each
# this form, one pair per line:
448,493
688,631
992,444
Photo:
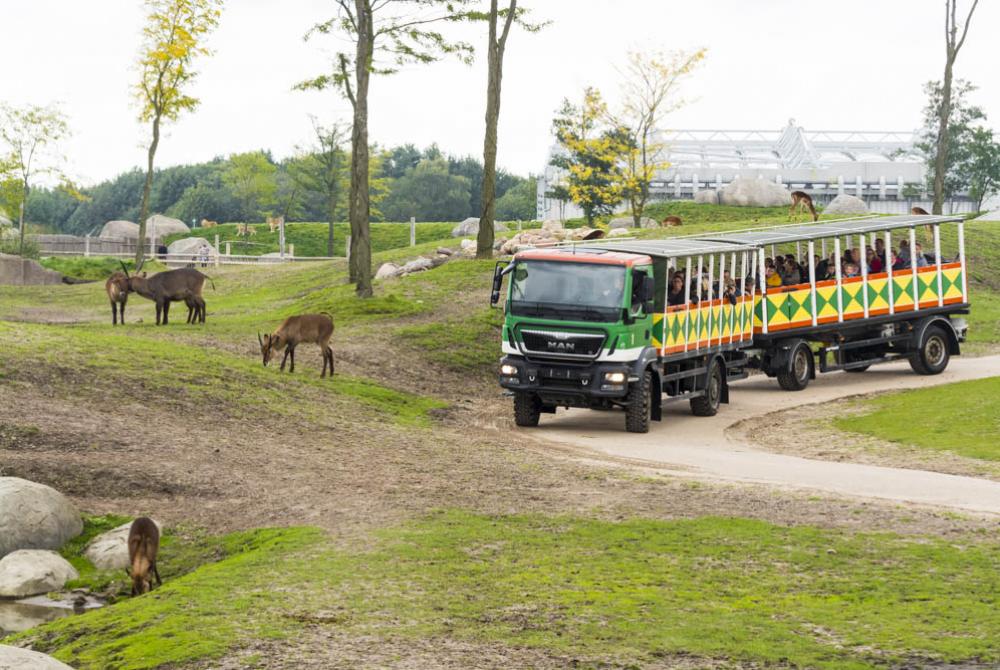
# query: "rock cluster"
748,192
547,236
845,204
470,227
628,222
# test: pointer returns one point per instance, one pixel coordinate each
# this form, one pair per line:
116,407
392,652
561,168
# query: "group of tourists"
788,271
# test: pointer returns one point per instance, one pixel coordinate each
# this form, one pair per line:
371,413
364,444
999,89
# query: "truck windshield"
584,291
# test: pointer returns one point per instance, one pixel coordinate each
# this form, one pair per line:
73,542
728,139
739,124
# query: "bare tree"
953,43
401,32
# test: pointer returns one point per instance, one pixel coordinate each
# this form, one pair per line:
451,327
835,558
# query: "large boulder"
707,196
191,246
418,265
845,204
34,516
28,572
628,222
471,227
618,232
15,658
387,270
748,192
109,551
161,226
120,230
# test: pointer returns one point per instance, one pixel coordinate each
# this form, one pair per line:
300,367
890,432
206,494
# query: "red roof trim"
567,256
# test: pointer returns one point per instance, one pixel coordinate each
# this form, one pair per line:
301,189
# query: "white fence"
180,260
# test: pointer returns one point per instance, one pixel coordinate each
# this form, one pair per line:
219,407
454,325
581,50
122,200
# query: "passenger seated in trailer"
772,278
874,262
851,270
791,275
675,294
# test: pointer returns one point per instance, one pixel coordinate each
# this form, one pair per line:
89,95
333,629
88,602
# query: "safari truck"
854,320
597,326
589,327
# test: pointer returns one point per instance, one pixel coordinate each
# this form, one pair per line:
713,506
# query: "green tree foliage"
322,173
962,119
173,38
427,191
518,203
250,177
982,166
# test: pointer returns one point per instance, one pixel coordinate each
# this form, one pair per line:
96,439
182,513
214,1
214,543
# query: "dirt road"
686,445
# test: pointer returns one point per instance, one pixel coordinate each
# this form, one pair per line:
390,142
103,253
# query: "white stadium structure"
881,167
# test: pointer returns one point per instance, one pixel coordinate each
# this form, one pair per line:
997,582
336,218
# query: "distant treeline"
406,181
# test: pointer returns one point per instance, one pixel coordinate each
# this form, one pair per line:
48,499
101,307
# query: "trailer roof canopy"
817,231
672,247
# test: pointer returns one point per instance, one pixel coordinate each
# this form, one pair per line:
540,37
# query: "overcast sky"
845,65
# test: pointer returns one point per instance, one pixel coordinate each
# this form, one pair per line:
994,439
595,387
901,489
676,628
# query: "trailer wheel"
638,409
932,357
527,409
708,404
796,376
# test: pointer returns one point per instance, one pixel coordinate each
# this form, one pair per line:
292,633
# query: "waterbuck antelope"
143,545
164,288
117,289
293,331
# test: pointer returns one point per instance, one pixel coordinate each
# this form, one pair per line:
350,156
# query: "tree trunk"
484,240
944,113
20,220
146,188
361,253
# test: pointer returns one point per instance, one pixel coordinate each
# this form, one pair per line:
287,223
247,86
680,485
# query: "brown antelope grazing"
164,288
801,200
293,331
143,545
274,222
672,221
919,210
205,223
117,289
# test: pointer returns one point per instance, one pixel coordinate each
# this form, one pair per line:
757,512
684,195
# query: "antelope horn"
260,339
124,268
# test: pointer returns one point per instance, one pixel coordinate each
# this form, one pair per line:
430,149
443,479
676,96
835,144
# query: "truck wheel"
932,357
708,404
796,376
638,410
527,409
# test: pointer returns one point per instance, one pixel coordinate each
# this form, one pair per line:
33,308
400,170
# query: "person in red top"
874,262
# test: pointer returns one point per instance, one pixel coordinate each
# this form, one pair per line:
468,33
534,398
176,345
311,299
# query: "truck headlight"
508,370
614,377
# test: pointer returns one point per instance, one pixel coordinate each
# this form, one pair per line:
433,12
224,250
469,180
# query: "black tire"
708,404
932,357
527,409
796,376
639,400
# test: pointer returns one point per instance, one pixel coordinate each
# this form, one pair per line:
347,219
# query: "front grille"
562,344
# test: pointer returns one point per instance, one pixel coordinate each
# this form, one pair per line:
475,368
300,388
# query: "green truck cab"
578,328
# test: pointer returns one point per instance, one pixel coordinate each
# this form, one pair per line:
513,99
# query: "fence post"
413,231
347,249
519,225
152,246
86,245
291,251
229,249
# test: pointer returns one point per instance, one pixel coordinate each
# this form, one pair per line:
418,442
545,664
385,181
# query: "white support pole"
823,248
711,296
772,253
671,265
913,268
687,302
743,292
763,291
229,248
152,246
937,261
864,274
798,251
888,270
812,280
413,231
961,260
732,276
840,296
698,295
347,249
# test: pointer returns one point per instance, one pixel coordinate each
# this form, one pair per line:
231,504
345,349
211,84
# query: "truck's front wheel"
527,409
639,399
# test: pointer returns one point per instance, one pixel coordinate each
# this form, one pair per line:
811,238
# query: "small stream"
20,615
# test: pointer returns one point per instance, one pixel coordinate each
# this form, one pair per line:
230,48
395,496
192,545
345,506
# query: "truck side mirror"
498,273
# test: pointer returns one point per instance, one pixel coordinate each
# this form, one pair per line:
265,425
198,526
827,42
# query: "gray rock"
707,197
387,270
28,572
470,227
749,192
161,226
34,516
444,251
618,232
109,551
846,204
628,222
418,265
191,246
15,658
120,230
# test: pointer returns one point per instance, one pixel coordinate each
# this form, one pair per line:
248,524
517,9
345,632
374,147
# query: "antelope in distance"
143,545
800,201
205,223
117,289
919,210
274,222
295,330
164,288
671,221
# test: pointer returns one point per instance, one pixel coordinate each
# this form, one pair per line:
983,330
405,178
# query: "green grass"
632,591
310,239
962,418
94,268
465,344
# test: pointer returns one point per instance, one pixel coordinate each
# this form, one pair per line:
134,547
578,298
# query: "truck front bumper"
570,384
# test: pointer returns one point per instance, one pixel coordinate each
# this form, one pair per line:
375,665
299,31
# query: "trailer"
597,326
